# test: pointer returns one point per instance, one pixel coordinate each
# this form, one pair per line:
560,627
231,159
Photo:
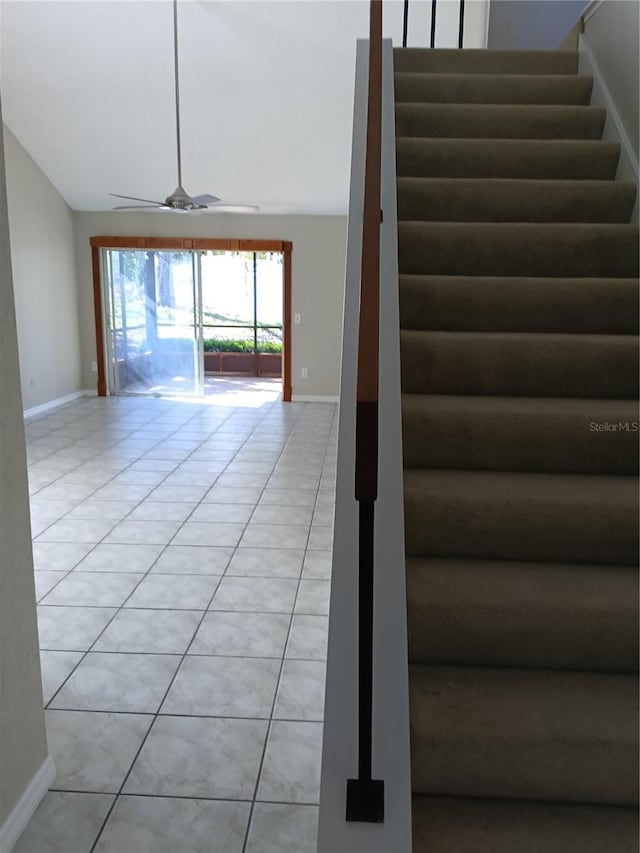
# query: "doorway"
172,314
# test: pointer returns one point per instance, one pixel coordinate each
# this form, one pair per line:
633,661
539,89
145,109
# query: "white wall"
318,260
42,255
531,24
23,745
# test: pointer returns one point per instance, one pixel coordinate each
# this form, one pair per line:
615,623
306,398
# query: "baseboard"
14,825
59,401
314,398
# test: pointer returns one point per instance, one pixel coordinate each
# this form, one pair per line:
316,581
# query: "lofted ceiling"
266,96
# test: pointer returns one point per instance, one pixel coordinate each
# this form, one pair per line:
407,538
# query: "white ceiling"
266,96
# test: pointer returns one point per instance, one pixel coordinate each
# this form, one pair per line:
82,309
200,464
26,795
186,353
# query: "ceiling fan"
180,201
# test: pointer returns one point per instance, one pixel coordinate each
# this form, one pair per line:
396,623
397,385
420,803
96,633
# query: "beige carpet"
519,322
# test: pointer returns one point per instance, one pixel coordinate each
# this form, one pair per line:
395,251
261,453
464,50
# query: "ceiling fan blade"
142,207
135,198
205,198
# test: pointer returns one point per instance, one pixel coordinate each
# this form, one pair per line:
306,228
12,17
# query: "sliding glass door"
242,299
154,338
174,316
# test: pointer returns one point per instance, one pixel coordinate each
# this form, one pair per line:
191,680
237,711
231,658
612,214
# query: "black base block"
365,800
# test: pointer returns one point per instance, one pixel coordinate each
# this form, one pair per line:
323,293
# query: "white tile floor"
182,556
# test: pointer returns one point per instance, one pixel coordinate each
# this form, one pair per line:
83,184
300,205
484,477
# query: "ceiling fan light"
235,208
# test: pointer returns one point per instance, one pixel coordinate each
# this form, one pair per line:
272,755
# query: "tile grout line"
181,797
91,494
291,426
275,698
157,713
85,654
121,607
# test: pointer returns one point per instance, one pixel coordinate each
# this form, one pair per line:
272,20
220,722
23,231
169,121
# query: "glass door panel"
269,286
153,309
242,312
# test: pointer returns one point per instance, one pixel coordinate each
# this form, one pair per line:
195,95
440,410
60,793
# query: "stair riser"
493,733
580,306
492,89
499,122
506,158
517,615
519,313
519,365
495,200
520,249
561,526
454,825
547,438
485,61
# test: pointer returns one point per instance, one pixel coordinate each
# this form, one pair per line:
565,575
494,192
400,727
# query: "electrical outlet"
296,319
94,366
304,373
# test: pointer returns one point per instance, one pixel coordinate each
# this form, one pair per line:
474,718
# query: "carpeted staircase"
519,317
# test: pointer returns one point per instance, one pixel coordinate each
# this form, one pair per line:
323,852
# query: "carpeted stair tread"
476,88
518,249
517,614
514,200
571,735
519,364
507,158
520,434
499,121
519,315
460,825
416,87
517,304
496,515
446,61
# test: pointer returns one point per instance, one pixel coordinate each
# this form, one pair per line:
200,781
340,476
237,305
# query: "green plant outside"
240,345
